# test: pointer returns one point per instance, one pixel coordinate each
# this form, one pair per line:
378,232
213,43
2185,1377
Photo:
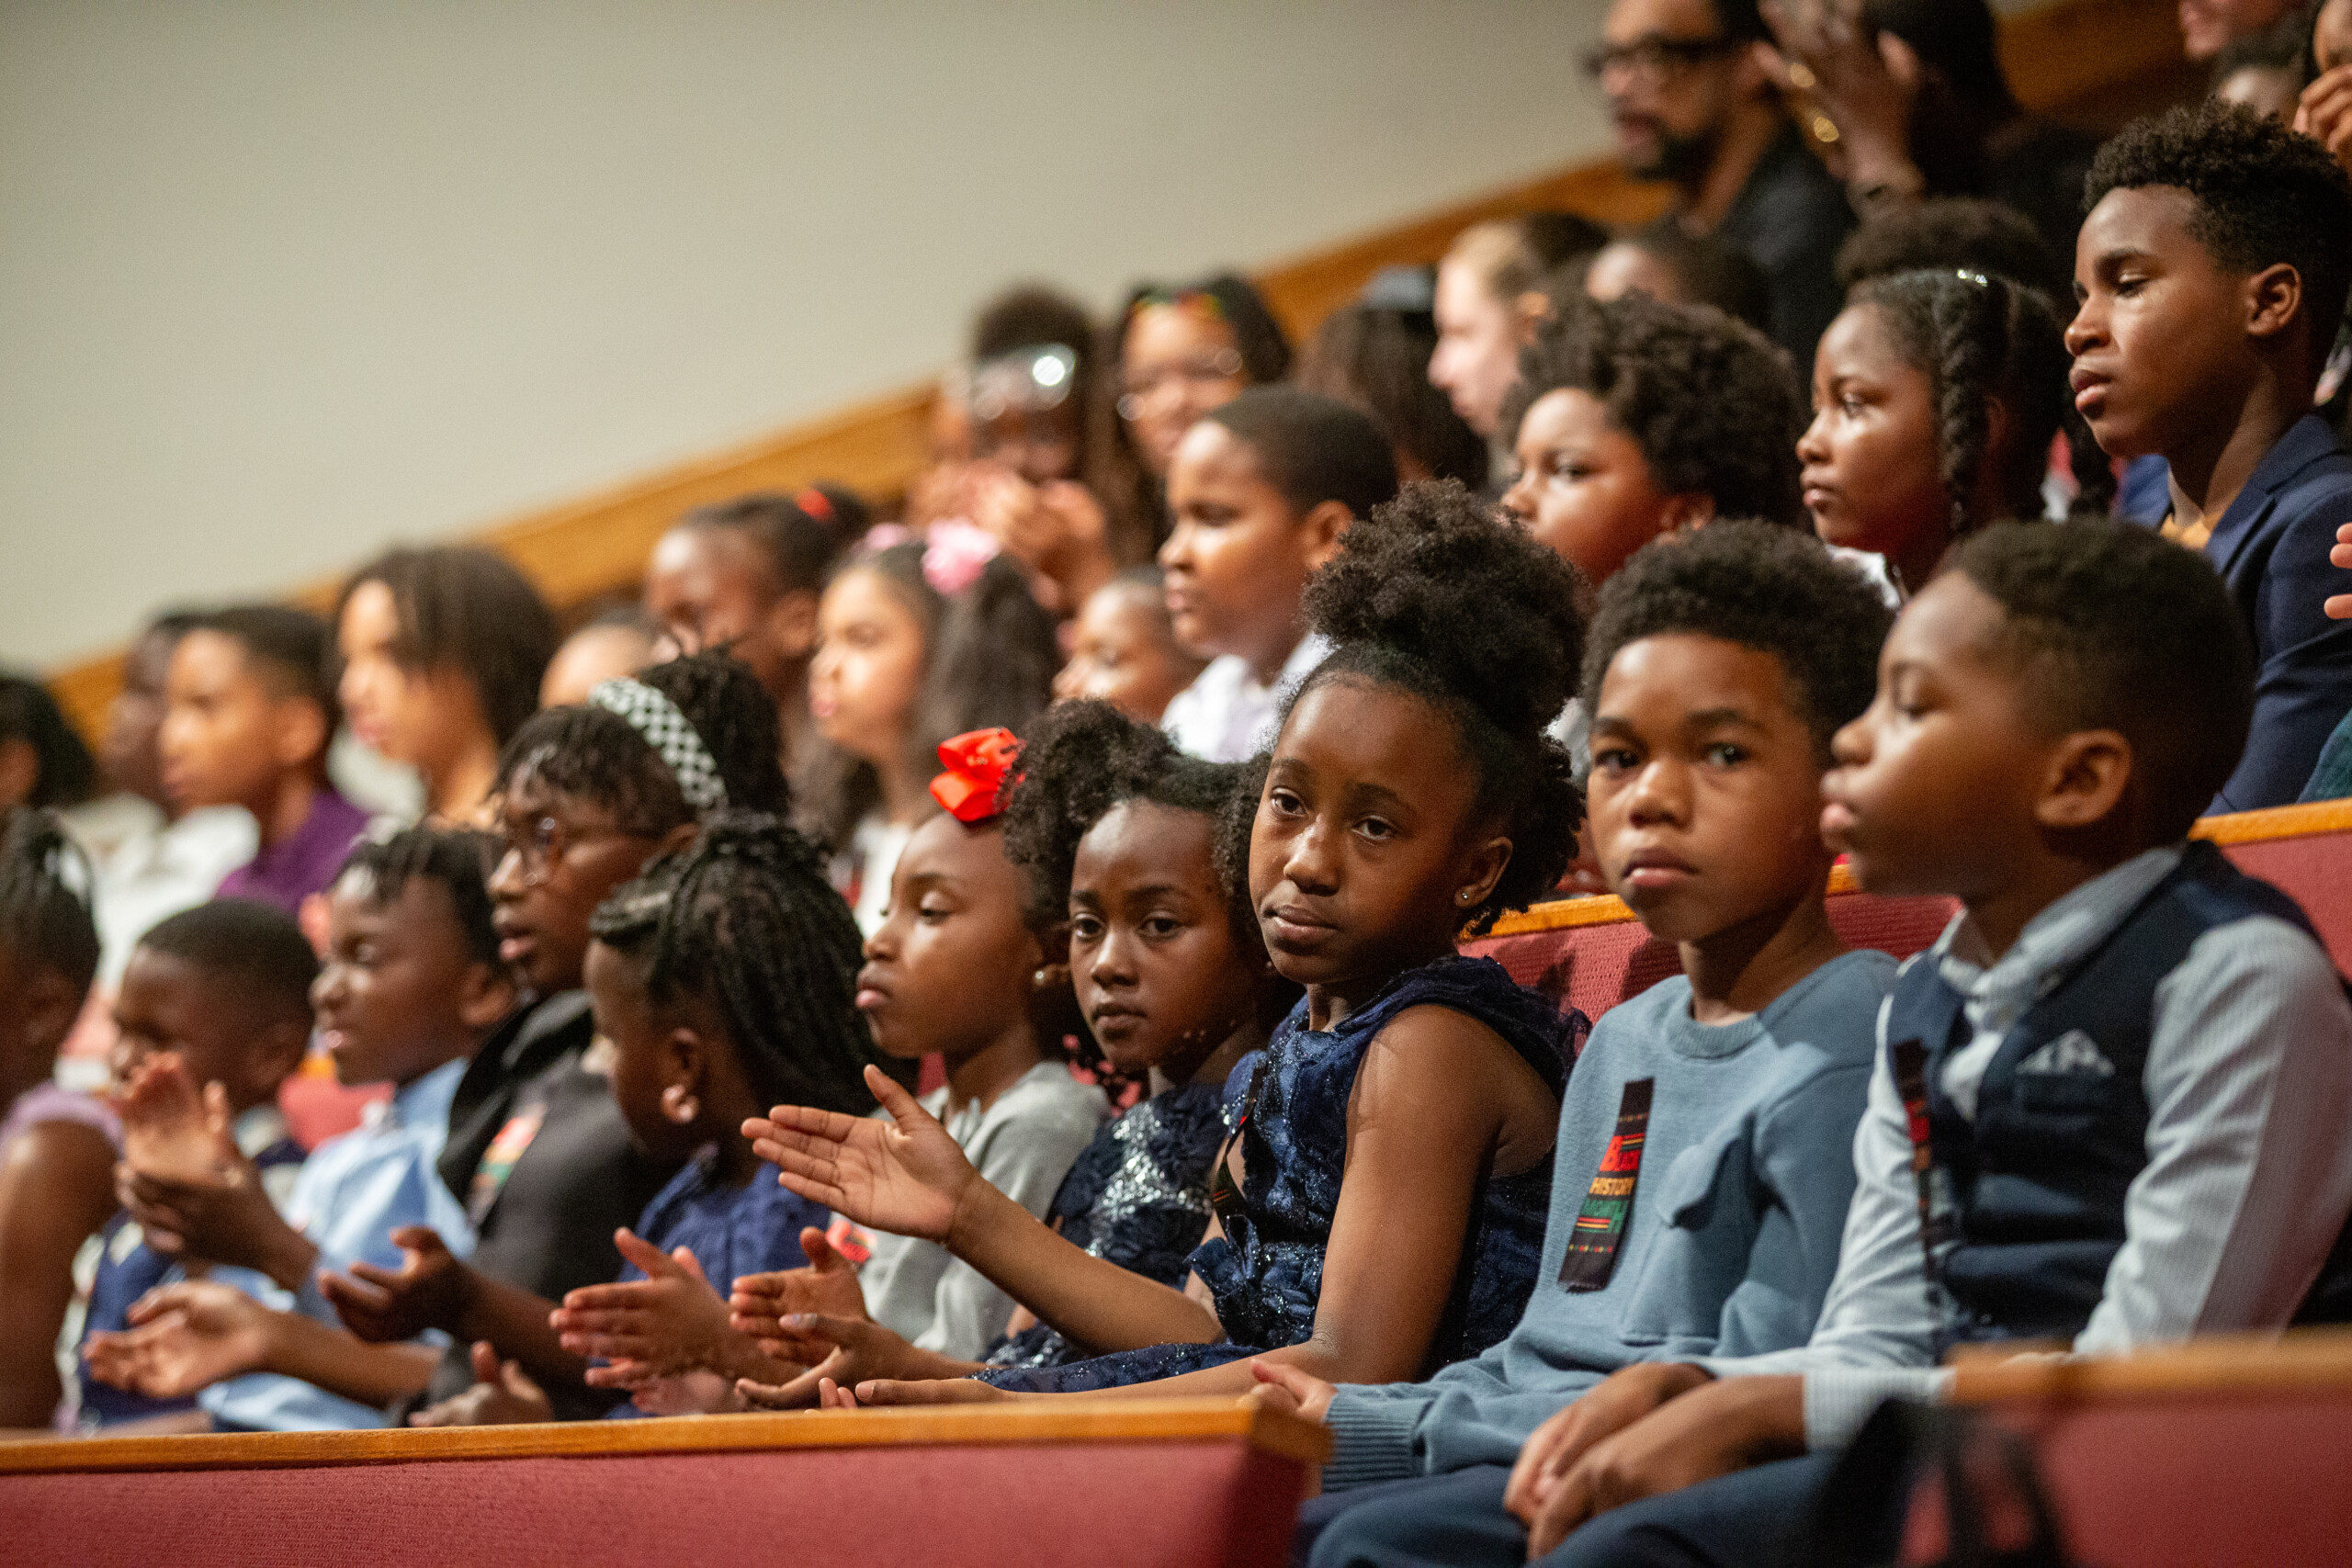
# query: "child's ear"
1486,869
48,1005
2274,298
277,1050
792,622
2086,778
1692,509
487,996
1528,312
1319,531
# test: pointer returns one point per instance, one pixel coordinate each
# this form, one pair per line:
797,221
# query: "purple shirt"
305,862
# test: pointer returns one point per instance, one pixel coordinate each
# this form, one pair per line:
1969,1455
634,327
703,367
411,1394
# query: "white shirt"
2248,1180
866,868
1226,715
147,869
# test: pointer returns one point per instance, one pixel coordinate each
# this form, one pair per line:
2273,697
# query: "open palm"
905,1176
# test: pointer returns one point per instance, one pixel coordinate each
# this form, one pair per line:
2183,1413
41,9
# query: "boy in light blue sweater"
1703,1165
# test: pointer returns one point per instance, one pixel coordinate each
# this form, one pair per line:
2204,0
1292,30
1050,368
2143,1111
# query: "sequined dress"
1266,1271
1139,1197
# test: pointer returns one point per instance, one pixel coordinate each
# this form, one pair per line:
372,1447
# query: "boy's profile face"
2160,327
1239,556
1935,787
1705,793
167,1003
230,731
397,994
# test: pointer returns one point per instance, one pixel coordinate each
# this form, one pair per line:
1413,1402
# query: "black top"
1790,218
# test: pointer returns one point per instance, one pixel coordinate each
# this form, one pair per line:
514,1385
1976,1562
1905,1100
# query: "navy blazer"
2272,548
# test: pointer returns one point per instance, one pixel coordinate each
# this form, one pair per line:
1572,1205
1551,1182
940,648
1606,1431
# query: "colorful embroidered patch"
1937,1221
851,1240
498,1160
1608,1207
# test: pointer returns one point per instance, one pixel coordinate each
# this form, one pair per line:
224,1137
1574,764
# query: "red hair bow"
978,763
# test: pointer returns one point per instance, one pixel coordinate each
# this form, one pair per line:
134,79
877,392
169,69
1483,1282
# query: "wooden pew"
2223,1451
1184,1482
1592,954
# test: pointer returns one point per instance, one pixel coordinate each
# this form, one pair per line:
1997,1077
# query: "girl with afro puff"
1379,1208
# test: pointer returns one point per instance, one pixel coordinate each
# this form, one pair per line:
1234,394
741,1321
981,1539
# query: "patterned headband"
657,719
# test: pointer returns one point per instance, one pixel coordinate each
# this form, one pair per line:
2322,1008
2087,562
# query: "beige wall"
282,282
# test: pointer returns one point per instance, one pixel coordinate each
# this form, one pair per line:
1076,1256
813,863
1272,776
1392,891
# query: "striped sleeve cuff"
1372,1438
1838,1400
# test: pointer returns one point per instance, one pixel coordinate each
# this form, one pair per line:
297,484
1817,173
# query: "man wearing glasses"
1693,105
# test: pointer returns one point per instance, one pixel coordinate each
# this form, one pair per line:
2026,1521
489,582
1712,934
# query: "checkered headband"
657,719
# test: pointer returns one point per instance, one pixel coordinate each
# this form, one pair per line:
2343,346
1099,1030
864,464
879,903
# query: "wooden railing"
2061,54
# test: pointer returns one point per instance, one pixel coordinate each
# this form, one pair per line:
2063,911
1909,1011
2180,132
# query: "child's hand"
688,1394
843,1350
222,1216
430,1290
1610,1407
759,1302
503,1394
165,1132
1286,1388
184,1337
2326,115
2339,605
908,1178
669,1322
931,1391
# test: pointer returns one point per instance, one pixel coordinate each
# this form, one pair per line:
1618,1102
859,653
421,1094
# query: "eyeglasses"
1032,379
540,844
1654,58
1201,370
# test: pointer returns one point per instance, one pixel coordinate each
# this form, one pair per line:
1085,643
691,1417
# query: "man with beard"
1692,102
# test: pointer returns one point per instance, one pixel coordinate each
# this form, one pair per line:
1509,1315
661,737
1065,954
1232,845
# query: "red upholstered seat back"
2313,869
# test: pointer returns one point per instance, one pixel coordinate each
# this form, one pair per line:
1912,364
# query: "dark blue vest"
2035,1185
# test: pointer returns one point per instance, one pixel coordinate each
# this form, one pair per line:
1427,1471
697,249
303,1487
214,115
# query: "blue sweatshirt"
1733,1238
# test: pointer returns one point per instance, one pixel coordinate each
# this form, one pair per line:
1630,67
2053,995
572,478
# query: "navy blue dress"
1266,1271
732,1231
1139,1197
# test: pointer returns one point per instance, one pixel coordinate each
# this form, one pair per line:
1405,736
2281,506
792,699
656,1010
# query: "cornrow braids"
45,883
1078,760
742,920
1981,339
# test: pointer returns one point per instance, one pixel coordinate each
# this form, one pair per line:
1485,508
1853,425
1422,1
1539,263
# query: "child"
1490,301
916,642
1936,396
410,987
957,968
249,712
614,642
441,651
1719,667
1374,354
1115,830
745,576
215,995
1122,648
1379,1211
537,1152
723,977
1185,349
1633,419
1261,490
43,763
2212,272
56,1149
1674,266
2109,1101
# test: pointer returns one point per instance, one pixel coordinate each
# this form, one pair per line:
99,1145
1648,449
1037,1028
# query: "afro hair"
1770,589
1710,401
1948,233
1438,595
2263,194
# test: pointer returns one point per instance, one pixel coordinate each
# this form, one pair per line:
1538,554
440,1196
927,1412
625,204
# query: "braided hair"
45,886
593,755
1437,595
743,921
1982,339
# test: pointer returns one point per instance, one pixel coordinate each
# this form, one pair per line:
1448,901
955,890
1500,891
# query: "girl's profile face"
1584,488
868,672
1176,363
1479,339
562,856
1123,652
417,716
949,968
1873,479
1152,955
644,1060
1363,842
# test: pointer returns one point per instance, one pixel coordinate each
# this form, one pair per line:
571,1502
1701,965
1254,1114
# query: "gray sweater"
1733,1239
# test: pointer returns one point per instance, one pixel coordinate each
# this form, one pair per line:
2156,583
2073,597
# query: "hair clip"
815,503
1198,299
1977,278
954,552
978,762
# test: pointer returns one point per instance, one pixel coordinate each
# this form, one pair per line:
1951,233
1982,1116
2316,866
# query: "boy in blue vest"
2129,1067
2211,272
1703,1168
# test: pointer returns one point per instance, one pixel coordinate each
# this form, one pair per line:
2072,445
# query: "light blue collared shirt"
353,1191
